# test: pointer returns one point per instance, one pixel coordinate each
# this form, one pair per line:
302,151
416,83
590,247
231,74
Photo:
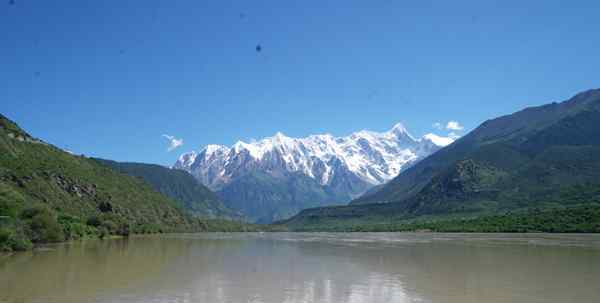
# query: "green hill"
542,157
49,195
180,186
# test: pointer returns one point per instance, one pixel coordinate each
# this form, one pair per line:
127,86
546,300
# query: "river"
309,267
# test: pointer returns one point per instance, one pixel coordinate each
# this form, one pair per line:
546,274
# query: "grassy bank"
20,229
41,225
578,219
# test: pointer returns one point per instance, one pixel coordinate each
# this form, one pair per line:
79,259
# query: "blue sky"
110,78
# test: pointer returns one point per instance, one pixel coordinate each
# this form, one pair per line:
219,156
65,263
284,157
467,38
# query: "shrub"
105,207
30,212
5,235
75,231
9,208
102,232
11,240
73,227
93,221
19,242
124,229
10,201
110,226
43,225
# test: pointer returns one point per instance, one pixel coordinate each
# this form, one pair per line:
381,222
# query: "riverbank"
27,233
576,219
41,226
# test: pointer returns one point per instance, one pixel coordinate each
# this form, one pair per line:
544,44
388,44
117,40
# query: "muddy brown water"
309,267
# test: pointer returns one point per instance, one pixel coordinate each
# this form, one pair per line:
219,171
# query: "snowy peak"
438,140
398,128
367,156
186,160
259,149
400,131
215,148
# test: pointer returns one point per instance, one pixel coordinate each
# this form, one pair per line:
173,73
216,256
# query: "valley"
299,151
536,170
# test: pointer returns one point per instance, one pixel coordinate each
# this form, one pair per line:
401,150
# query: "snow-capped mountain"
274,178
370,156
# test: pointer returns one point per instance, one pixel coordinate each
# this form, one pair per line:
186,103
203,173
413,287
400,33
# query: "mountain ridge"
372,156
490,131
341,168
543,156
179,185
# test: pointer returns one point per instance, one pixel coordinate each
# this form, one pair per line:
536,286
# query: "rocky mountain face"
331,169
540,157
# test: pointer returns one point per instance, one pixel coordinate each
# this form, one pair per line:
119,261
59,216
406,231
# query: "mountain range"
276,177
537,169
540,157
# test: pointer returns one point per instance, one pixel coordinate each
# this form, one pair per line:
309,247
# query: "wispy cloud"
453,135
454,125
437,125
173,142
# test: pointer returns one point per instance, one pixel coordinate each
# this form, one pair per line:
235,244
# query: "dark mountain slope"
546,156
265,198
507,142
179,185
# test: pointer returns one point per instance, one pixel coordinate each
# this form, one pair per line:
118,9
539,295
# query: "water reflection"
295,268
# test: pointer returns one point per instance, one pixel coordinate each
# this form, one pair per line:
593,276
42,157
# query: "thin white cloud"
454,125
437,125
173,142
453,135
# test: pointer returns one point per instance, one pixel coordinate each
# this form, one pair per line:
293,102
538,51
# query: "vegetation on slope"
461,204
542,157
549,145
581,219
180,186
48,195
